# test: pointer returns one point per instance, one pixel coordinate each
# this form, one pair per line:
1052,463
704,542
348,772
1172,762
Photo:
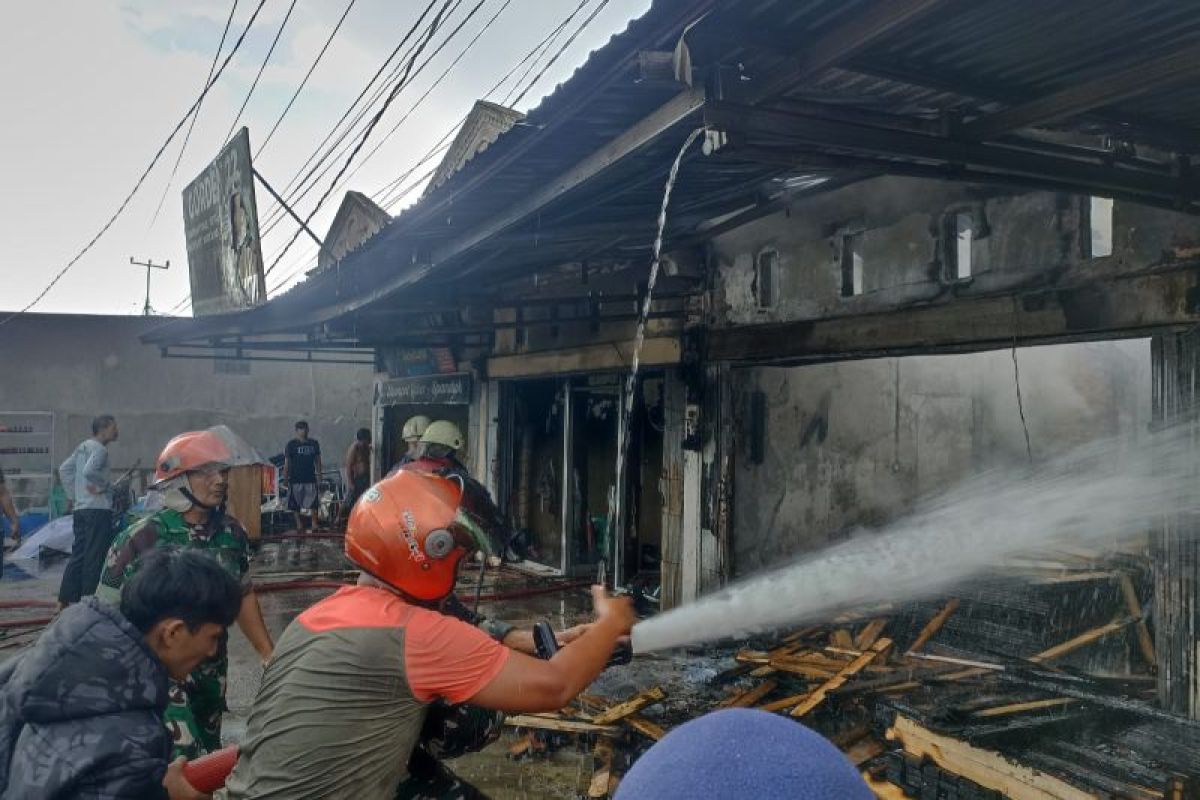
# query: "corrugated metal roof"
967,58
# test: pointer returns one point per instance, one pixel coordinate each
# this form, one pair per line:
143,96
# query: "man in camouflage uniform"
194,480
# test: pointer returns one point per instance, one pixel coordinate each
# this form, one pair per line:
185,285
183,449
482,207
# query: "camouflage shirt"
225,541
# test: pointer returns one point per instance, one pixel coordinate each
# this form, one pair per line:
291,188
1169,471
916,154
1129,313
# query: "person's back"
91,694
343,700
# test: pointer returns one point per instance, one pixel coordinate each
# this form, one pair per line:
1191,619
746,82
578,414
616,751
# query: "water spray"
1101,495
614,503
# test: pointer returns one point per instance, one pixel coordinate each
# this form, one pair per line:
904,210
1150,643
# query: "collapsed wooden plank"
1057,651
602,768
934,625
854,667
800,635
645,726
870,633
804,669
750,696
882,789
778,652
559,725
1021,708
842,639
1082,640
1145,642
985,767
864,750
630,706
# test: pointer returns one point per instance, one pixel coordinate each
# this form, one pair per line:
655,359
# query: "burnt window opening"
852,264
960,230
1100,224
765,278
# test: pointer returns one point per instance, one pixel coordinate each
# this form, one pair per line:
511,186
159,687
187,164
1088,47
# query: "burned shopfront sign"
220,220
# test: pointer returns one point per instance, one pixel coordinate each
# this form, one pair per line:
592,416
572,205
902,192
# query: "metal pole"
293,214
149,265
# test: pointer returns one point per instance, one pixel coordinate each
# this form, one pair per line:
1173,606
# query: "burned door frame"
504,392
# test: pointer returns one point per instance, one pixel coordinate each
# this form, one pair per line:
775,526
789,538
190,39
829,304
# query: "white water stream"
1093,497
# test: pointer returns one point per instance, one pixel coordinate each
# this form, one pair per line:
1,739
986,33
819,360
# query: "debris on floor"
1031,685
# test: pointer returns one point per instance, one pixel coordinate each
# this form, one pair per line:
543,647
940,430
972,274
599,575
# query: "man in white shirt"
85,480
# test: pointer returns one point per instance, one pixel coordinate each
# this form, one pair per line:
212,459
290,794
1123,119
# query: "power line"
393,191
350,109
142,178
431,87
562,50
307,75
187,136
378,116
532,57
268,226
532,54
542,49
261,69
329,159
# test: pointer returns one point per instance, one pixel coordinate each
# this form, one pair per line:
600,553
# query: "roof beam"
906,148
859,32
1131,81
1167,136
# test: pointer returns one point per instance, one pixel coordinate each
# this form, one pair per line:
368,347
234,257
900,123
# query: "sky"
93,89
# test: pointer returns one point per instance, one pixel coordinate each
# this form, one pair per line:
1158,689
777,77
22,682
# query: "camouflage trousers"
449,732
194,709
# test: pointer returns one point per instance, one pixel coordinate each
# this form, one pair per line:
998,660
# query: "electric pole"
149,265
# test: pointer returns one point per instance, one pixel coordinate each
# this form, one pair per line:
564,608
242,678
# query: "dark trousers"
94,534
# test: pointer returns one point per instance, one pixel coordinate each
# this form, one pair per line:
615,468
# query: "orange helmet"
408,531
189,452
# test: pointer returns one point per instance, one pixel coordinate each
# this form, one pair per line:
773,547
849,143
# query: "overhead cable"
304,82
375,121
187,136
262,67
141,179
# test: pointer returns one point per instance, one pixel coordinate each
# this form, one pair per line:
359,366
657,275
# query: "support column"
1175,546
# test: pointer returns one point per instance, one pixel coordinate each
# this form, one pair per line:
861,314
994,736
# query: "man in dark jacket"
81,713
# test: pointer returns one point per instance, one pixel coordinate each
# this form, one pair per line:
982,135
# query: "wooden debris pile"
930,701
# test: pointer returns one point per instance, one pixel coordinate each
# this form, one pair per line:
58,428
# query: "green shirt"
225,541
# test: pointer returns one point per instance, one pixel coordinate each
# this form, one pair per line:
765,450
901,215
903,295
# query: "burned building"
856,183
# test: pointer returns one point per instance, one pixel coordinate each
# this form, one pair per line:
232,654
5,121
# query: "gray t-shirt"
84,477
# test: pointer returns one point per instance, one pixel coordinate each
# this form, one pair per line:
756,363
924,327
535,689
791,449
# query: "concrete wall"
1020,240
856,443
78,366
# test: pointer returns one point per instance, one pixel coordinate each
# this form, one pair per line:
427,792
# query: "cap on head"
301,425
743,753
414,427
445,433
407,531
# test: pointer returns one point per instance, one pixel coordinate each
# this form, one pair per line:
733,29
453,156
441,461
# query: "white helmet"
445,433
414,427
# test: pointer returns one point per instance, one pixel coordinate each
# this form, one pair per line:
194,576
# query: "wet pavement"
563,773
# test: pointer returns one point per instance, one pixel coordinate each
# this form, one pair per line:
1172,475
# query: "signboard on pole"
220,221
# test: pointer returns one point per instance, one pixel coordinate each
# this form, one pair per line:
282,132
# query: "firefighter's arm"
528,684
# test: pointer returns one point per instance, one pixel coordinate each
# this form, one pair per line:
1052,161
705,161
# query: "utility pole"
149,265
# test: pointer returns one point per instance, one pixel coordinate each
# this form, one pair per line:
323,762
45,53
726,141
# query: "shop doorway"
391,445
558,445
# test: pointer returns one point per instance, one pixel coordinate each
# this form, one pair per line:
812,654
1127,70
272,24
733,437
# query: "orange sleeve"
449,659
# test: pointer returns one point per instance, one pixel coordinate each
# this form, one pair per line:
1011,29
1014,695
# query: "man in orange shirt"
344,699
